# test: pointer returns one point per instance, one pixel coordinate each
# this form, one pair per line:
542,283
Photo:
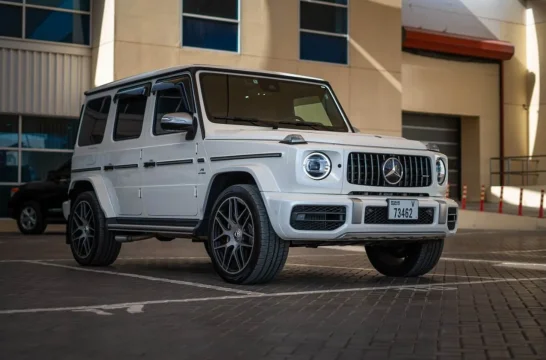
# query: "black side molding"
174,162
247,156
126,166
85,169
153,222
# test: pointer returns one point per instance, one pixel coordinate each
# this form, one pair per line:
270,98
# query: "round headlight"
441,171
317,166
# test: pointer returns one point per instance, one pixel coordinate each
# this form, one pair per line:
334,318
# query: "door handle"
150,163
108,167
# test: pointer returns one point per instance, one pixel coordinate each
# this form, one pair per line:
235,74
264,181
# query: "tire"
101,248
255,262
411,260
30,219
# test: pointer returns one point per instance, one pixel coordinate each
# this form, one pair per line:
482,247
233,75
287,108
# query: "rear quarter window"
94,120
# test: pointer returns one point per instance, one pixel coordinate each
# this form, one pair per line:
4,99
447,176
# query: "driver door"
169,176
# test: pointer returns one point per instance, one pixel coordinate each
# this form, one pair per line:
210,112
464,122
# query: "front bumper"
354,227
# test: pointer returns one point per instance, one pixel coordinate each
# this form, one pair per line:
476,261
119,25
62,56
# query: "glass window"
9,131
324,48
170,101
319,17
35,165
82,5
9,166
48,133
129,117
94,121
324,31
248,100
210,34
58,26
211,24
228,9
11,21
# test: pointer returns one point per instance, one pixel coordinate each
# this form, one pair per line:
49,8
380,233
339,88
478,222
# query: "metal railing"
518,170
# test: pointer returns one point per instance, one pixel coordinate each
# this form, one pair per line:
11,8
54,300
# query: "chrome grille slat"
366,169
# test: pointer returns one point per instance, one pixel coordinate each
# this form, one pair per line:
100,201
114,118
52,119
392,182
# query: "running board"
153,226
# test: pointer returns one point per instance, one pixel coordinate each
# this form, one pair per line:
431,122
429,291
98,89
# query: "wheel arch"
99,186
221,181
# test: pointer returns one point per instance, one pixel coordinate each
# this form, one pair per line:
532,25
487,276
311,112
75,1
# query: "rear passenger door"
123,157
169,160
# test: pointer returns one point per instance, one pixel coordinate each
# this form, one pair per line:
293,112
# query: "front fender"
263,176
104,191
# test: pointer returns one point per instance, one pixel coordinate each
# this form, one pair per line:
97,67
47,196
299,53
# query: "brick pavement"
485,300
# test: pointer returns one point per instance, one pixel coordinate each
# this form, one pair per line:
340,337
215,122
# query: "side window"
170,101
94,121
129,117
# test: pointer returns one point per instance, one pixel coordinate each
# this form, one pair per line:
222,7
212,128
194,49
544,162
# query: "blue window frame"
64,21
211,24
324,29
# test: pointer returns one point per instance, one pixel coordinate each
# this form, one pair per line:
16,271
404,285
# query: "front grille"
451,218
380,215
317,217
367,169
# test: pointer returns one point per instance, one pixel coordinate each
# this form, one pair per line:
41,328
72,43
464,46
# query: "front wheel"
409,260
243,246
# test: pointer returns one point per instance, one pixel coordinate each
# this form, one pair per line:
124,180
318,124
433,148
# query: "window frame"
24,5
325,33
211,18
191,98
132,91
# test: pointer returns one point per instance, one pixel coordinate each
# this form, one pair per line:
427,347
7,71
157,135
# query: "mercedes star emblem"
392,171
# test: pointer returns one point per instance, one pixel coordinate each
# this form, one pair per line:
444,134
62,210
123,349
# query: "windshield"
257,101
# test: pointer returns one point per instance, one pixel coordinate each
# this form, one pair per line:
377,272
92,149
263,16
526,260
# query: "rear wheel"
30,219
409,260
90,241
243,246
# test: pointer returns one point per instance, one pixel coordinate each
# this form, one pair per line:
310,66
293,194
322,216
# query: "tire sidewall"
244,195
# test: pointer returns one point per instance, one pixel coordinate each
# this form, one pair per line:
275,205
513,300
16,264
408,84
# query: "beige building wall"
498,20
458,88
148,36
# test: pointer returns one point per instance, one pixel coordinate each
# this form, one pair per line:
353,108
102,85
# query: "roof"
176,69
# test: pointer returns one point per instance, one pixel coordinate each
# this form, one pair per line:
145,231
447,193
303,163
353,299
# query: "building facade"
476,106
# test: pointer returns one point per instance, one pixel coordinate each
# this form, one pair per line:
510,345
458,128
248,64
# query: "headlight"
317,166
441,171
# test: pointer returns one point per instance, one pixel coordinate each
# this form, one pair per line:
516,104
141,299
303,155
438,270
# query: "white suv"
250,163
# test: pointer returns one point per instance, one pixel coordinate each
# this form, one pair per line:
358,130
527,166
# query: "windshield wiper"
248,120
310,124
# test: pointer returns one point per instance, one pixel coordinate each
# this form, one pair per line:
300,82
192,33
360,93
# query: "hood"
319,137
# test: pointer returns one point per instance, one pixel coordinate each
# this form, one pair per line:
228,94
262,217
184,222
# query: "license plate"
403,209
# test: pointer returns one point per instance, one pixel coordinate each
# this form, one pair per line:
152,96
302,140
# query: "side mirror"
177,122
180,121
356,130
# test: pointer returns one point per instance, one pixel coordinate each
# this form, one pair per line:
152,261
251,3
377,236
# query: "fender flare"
102,186
263,176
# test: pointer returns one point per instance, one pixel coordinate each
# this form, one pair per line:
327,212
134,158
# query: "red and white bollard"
482,198
541,208
463,200
500,199
520,207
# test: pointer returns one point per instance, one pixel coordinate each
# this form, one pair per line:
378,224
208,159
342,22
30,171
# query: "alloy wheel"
233,235
29,218
83,229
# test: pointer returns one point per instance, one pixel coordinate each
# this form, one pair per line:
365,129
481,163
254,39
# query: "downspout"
501,122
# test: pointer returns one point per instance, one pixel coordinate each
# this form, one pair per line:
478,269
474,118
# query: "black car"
36,204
